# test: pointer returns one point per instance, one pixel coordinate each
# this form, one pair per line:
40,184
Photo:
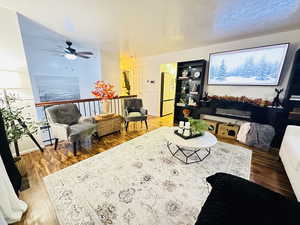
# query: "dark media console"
265,115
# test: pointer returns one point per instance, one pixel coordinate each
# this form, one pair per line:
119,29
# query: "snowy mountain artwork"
255,66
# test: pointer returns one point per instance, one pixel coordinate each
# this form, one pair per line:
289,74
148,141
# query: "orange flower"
103,90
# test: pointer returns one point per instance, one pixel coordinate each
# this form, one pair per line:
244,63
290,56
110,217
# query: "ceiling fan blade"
52,51
83,56
85,53
67,51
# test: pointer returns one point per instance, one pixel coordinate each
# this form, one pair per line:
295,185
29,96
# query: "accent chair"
67,123
134,111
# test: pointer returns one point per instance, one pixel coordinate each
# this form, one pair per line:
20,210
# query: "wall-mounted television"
252,66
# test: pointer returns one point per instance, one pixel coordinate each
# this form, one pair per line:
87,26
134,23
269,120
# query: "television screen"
255,66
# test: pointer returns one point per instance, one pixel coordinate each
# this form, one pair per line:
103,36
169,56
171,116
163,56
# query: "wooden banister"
43,104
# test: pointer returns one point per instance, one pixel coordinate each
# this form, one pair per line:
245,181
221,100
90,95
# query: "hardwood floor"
266,169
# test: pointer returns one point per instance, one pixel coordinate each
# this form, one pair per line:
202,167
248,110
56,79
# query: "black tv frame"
263,85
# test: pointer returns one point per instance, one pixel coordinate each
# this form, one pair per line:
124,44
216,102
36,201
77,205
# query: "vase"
106,106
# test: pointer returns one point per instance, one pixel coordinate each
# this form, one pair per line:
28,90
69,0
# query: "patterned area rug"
140,183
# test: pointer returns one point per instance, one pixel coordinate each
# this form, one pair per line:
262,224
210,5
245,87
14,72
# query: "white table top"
206,141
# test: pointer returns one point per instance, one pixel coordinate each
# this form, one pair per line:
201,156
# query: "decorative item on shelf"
276,101
194,89
205,100
104,91
228,130
186,113
182,100
242,100
185,73
196,73
205,97
192,102
183,90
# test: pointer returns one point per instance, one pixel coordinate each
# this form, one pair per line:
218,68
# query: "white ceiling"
148,27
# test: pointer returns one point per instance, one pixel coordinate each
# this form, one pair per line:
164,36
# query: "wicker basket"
228,130
213,124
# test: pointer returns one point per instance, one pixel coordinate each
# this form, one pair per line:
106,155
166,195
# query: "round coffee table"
190,150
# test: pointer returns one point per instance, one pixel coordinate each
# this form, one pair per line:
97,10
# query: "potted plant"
16,123
198,126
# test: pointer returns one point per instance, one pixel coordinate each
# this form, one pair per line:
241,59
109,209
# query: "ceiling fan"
71,53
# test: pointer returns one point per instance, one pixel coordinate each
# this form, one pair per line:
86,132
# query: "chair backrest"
64,114
133,104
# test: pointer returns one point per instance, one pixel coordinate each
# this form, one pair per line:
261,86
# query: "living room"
177,114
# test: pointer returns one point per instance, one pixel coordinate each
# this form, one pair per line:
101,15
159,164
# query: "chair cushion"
134,114
235,201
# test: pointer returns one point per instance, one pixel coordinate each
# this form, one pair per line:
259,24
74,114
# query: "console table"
275,117
108,124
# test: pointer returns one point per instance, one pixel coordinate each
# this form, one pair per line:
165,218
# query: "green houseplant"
14,120
198,126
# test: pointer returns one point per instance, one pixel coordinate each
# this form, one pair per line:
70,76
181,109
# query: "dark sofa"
236,201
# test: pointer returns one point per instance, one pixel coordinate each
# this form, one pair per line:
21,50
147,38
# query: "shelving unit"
189,87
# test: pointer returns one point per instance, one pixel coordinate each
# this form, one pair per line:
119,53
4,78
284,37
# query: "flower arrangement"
103,91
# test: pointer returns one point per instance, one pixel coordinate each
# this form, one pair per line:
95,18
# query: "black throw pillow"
236,201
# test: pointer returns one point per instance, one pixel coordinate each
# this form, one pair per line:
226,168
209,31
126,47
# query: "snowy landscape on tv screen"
256,66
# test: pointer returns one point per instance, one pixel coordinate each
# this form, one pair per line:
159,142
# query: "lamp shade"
9,80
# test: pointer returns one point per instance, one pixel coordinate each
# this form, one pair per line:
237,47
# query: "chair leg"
55,143
146,124
75,148
127,123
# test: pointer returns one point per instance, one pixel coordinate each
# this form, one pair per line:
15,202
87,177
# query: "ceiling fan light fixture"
70,56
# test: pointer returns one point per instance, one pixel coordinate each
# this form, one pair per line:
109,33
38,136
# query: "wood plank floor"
266,169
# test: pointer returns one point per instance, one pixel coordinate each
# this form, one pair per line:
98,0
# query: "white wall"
110,65
44,50
149,67
13,62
